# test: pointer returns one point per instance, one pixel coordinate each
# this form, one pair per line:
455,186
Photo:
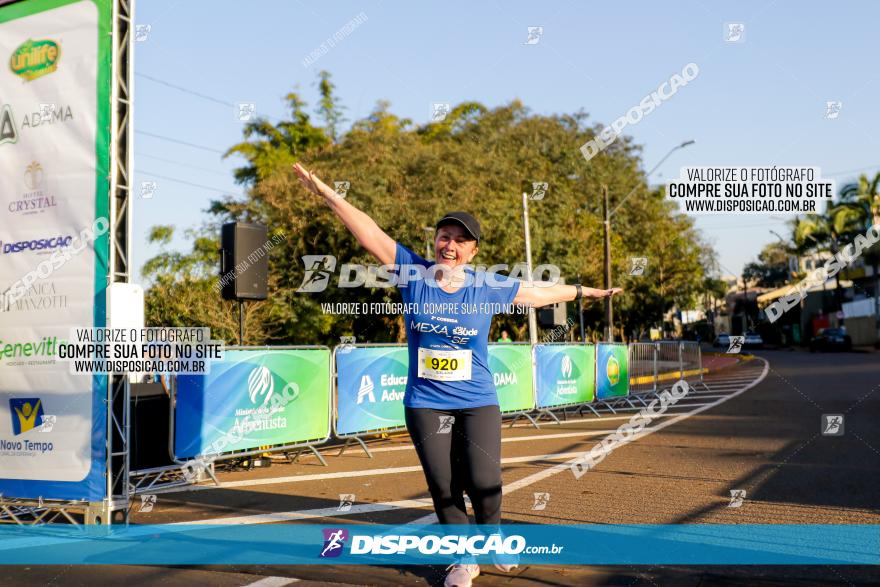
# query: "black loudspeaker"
150,422
552,316
244,261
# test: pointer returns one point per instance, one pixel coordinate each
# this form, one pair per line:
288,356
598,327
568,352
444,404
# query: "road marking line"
348,474
270,518
421,503
273,582
541,475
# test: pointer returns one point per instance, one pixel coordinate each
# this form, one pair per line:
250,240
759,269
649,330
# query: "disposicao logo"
34,59
36,244
26,413
612,370
334,542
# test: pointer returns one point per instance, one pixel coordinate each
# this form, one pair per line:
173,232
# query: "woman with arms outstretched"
450,404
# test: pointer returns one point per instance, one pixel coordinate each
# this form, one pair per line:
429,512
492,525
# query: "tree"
814,233
771,269
406,176
269,149
857,210
328,108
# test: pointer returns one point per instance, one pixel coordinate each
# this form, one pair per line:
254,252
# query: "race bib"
445,365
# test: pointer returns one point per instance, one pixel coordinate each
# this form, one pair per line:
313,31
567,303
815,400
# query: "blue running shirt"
448,336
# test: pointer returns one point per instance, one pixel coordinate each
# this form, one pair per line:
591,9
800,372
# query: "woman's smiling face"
453,246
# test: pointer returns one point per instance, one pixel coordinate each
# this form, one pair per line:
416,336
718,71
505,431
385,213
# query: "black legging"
466,458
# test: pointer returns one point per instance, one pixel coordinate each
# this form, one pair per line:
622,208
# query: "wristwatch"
580,291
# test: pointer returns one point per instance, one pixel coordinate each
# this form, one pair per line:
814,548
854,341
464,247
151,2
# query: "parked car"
831,339
722,340
753,340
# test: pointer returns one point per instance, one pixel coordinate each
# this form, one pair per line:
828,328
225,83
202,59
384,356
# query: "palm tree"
856,211
814,233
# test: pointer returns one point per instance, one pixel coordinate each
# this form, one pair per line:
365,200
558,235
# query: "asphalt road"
759,430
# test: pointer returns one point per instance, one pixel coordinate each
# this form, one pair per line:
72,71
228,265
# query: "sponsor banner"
55,104
370,385
371,382
526,544
565,374
254,398
511,366
612,370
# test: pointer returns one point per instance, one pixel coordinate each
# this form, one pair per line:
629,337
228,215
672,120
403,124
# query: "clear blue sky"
759,102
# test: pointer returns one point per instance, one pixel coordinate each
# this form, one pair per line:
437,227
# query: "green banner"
254,398
612,370
566,374
511,366
370,383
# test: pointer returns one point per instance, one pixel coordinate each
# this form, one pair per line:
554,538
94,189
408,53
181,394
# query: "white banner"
48,166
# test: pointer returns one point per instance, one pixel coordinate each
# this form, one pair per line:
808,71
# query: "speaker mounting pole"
240,322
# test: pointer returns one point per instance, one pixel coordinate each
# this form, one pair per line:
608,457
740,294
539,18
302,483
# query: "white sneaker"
461,575
505,562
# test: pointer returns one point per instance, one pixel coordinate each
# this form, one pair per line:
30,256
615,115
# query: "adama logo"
506,378
8,132
34,59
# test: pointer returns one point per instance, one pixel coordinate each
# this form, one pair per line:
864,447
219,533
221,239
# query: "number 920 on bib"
445,365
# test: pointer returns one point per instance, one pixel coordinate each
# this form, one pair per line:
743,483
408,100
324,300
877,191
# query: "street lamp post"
429,233
533,326
606,227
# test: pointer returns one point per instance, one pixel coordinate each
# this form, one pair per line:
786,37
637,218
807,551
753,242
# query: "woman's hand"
364,229
312,182
539,296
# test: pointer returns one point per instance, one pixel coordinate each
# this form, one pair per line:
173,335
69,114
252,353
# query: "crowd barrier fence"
356,391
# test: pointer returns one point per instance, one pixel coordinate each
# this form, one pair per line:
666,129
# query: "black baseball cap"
465,220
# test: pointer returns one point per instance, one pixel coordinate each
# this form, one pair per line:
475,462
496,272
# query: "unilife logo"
34,59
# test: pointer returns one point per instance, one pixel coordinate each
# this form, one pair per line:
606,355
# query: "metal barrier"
692,363
642,369
513,376
648,366
366,390
181,473
668,362
612,374
553,385
513,371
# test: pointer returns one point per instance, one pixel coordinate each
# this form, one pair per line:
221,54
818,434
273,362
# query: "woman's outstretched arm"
364,228
532,295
